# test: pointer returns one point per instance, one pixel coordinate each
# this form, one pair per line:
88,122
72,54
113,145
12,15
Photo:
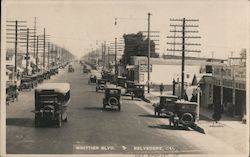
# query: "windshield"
113,91
46,98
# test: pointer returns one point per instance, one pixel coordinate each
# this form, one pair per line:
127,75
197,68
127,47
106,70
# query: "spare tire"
187,119
113,101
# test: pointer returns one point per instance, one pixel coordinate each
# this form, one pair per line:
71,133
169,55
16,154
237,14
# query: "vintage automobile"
46,74
138,91
129,86
11,92
112,98
26,83
100,84
40,77
183,110
121,81
51,102
165,105
92,79
34,79
54,70
70,68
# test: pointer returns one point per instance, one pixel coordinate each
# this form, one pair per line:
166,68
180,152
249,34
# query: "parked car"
54,70
183,110
112,98
129,86
11,92
46,74
70,68
92,79
40,77
34,79
138,91
26,83
121,81
100,84
51,102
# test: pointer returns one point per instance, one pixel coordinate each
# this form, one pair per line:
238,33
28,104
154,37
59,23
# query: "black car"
121,81
11,92
112,97
70,68
138,91
185,111
26,83
100,84
92,79
129,86
51,103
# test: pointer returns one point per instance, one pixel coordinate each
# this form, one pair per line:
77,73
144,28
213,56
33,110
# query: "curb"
146,100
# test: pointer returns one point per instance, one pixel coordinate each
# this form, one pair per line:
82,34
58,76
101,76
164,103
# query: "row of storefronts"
220,81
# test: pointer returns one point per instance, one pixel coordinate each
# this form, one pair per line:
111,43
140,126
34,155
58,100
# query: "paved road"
92,130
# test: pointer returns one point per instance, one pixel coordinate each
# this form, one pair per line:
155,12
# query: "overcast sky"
76,25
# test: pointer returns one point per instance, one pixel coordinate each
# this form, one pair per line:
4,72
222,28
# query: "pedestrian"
161,88
18,75
217,112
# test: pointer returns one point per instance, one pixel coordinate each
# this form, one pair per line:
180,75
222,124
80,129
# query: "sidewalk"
229,130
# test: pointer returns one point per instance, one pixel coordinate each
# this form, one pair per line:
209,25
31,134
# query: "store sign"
144,68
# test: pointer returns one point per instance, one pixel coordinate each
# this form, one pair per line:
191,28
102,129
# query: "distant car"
112,97
11,92
100,84
70,68
138,91
92,79
129,86
121,81
26,83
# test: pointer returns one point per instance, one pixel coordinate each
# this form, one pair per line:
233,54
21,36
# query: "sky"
77,25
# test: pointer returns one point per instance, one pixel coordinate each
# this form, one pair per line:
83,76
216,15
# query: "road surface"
92,130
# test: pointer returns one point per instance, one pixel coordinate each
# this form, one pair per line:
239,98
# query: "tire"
114,99
187,119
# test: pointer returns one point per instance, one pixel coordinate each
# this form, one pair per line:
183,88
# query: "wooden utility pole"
12,36
44,48
108,56
48,55
183,58
16,26
149,52
27,53
104,53
183,49
34,42
37,53
116,71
